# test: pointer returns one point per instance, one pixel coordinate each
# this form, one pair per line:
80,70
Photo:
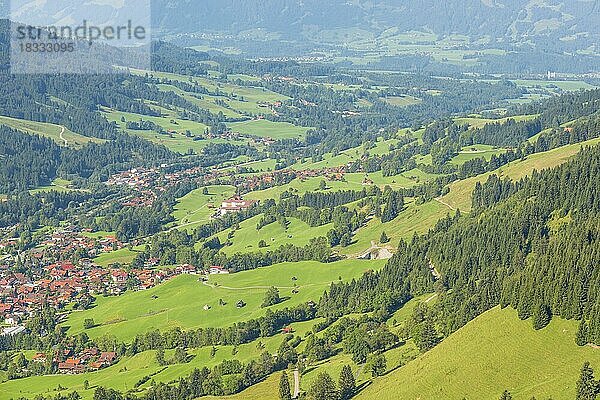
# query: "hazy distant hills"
561,35
514,20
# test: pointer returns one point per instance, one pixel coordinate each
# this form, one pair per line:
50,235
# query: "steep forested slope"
534,251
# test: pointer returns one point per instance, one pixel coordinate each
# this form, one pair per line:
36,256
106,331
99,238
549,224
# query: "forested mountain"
513,19
534,250
543,23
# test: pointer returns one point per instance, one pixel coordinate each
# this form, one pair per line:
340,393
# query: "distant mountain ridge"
515,20
509,19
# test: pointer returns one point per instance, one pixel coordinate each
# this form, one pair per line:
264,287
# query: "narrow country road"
62,131
296,384
252,287
439,200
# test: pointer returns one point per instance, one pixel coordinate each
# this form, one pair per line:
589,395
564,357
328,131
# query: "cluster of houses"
148,183
68,239
62,283
87,360
281,177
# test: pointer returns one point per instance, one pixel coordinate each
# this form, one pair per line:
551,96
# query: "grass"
461,191
194,209
563,85
130,370
402,101
477,122
247,237
264,128
266,390
176,141
180,302
58,184
231,91
493,353
121,256
51,131
353,181
477,151
414,219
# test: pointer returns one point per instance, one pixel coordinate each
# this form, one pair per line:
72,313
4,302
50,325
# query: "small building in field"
217,270
235,204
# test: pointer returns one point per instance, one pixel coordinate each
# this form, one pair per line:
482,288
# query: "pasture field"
130,369
265,390
414,219
264,128
51,131
194,208
176,141
203,101
476,151
122,256
353,181
344,157
402,101
461,191
179,302
493,353
250,94
567,85
245,240
478,122
58,184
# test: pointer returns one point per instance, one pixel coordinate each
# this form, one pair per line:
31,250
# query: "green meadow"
478,122
180,301
246,239
265,128
414,219
58,185
230,90
353,181
121,256
476,151
493,353
402,101
51,131
130,369
460,191
195,209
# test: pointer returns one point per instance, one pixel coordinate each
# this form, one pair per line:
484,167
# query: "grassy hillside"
193,209
264,128
493,353
247,237
460,191
414,219
51,131
180,301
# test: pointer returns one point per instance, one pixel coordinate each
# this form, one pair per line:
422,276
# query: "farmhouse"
217,270
235,204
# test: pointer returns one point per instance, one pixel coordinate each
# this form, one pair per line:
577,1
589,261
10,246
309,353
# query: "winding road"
62,131
439,200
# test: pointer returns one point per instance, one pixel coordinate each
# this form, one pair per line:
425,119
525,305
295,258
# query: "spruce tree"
587,387
285,392
347,383
541,316
384,238
506,395
582,333
323,388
